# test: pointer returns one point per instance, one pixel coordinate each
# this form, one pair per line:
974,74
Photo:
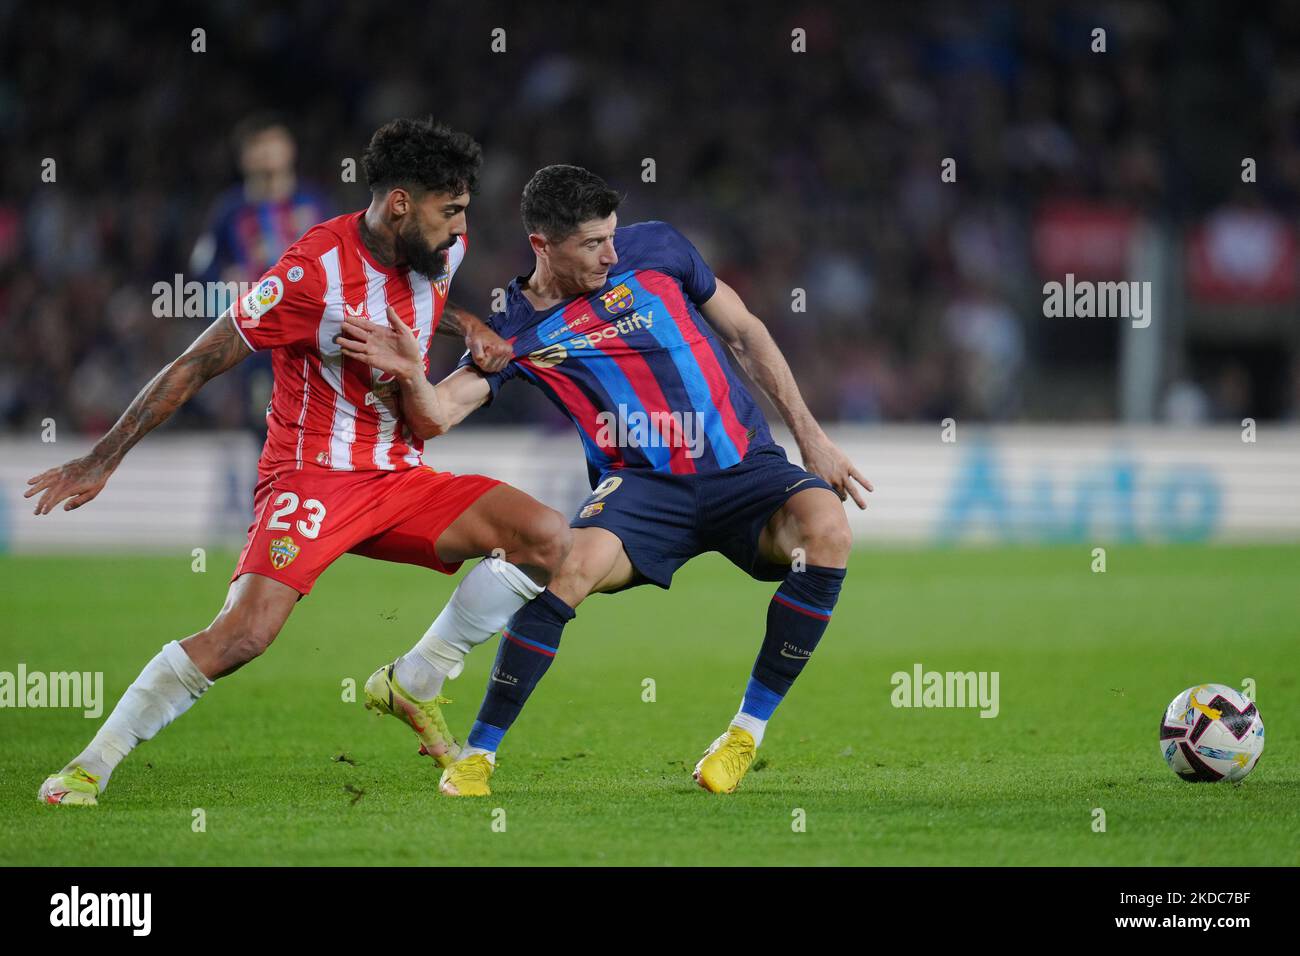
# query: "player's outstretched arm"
489,351
459,394
428,410
761,357
81,479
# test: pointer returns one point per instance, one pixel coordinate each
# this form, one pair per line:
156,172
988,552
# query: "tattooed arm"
490,351
217,349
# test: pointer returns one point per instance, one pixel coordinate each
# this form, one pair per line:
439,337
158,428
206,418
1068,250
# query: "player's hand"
393,349
490,352
79,480
825,460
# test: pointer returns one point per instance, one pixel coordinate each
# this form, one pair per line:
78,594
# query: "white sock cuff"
186,671
439,654
754,725
481,605
518,581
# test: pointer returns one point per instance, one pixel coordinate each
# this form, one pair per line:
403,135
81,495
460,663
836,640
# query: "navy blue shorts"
664,519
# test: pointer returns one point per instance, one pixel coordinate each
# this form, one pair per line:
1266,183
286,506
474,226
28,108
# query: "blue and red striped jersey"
245,238
634,365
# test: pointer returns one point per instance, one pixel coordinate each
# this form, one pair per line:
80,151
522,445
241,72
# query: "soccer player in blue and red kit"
626,330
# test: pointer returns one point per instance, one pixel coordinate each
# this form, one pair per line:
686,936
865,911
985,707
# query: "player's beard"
429,261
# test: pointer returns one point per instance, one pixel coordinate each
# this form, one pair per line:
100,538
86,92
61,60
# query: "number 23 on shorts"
286,505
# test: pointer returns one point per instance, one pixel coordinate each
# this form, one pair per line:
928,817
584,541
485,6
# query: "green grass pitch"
287,772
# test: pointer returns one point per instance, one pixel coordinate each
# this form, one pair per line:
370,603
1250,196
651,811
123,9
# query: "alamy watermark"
179,299
634,428
922,688
79,689
75,908
1102,300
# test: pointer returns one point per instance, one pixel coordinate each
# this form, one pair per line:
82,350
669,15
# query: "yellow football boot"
75,787
467,777
385,696
723,765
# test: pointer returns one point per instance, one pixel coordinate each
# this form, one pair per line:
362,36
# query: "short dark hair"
419,154
255,124
558,199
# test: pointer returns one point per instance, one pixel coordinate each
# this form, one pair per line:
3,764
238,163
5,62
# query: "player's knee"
254,641
239,642
547,540
827,538
586,568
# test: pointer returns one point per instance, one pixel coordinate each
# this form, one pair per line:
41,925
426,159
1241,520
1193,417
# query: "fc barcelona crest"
593,509
283,551
617,299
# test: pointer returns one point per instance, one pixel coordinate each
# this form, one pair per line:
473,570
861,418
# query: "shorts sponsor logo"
593,509
283,551
618,299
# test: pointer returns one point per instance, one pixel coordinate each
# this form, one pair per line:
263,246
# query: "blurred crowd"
816,171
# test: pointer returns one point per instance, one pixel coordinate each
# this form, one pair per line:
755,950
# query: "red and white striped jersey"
328,411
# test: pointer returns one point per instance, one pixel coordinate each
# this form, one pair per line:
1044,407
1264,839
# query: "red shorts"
303,520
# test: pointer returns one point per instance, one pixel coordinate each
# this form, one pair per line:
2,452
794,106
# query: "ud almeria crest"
283,551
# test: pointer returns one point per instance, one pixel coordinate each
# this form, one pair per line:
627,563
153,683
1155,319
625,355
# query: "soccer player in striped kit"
626,330
342,468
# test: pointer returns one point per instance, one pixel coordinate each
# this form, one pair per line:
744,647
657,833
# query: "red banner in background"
1088,239
1244,257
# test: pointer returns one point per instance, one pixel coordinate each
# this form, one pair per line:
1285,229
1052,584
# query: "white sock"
165,689
471,751
482,604
751,723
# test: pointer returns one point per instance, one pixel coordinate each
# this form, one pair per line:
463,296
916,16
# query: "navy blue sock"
528,645
796,619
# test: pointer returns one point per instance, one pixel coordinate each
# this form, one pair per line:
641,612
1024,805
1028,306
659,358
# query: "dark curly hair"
419,154
558,199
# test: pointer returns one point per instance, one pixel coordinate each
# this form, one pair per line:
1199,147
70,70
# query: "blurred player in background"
341,470
624,330
251,225
254,222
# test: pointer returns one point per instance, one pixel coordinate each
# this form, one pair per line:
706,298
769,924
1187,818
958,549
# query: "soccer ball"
1210,733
